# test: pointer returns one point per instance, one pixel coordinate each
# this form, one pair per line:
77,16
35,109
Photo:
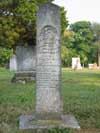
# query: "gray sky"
81,9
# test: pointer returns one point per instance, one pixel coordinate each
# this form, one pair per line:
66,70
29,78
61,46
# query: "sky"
78,10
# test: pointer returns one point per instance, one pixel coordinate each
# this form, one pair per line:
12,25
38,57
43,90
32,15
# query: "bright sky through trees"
81,9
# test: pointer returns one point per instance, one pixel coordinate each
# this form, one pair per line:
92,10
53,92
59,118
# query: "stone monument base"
24,76
31,122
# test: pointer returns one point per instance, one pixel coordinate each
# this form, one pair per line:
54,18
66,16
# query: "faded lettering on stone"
48,47
48,70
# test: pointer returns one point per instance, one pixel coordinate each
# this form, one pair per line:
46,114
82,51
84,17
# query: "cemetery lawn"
80,94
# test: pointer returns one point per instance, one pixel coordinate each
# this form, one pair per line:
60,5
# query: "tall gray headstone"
48,112
48,71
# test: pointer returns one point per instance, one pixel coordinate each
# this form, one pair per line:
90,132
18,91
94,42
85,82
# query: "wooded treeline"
18,27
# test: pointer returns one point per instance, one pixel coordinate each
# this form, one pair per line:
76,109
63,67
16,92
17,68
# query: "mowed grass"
15,99
80,94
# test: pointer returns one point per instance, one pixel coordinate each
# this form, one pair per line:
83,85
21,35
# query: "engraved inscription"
48,69
48,63
48,46
48,36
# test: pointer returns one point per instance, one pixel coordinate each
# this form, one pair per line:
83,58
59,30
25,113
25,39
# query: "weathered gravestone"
26,58
26,63
48,76
13,63
48,112
76,63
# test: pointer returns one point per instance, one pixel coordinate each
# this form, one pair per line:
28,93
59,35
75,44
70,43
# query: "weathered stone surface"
48,71
48,112
31,122
76,63
26,64
13,63
26,58
24,76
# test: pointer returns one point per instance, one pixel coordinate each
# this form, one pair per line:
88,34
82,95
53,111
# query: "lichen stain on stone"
45,122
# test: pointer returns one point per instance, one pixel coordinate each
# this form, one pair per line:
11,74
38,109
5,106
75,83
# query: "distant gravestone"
90,66
93,66
48,111
76,63
26,58
26,63
13,63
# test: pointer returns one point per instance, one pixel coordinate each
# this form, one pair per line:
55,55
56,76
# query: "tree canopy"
79,41
18,27
18,22
96,31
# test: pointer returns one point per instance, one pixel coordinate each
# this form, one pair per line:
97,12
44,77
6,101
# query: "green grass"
80,94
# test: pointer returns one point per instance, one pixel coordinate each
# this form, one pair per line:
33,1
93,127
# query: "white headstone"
90,66
76,63
13,63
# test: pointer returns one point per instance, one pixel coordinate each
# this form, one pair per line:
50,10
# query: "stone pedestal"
31,122
24,76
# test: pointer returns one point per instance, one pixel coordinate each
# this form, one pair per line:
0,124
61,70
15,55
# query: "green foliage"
64,21
96,32
64,55
80,42
18,21
8,33
58,130
77,26
5,54
84,41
